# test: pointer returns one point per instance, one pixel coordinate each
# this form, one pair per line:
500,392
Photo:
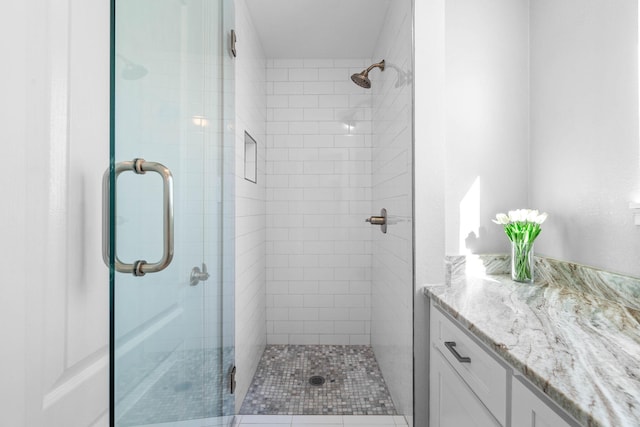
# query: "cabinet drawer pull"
451,346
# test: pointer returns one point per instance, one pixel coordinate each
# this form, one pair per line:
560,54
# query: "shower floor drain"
316,380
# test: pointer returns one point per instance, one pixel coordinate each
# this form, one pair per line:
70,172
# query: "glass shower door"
169,225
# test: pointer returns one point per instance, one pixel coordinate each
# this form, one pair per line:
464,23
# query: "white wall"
250,259
583,165
487,123
471,120
392,269
318,195
584,130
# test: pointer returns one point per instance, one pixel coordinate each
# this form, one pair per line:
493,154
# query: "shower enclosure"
333,154
168,221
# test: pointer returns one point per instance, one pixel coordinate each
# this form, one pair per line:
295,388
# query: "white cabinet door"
54,303
527,410
482,373
452,403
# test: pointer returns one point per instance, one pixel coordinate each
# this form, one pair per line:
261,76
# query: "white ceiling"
318,28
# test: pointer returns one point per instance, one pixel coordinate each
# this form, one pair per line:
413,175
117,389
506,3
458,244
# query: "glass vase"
522,262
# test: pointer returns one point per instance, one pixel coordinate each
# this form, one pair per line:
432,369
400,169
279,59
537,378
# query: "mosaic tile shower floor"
184,386
353,382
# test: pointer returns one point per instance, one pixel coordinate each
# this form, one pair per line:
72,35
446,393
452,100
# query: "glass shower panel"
172,329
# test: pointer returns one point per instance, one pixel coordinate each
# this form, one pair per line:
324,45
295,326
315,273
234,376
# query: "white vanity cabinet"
469,386
452,402
527,410
465,379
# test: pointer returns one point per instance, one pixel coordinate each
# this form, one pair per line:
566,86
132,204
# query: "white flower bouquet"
521,226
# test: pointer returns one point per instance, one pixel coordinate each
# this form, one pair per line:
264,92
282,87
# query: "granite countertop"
575,333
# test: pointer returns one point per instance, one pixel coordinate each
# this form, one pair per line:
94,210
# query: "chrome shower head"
362,78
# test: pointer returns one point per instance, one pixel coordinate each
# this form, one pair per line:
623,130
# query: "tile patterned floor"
184,387
354,383
320,421
293,421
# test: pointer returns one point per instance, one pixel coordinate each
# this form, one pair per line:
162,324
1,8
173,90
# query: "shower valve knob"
376,220
379,220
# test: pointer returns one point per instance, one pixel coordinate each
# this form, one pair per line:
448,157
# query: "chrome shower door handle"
140,267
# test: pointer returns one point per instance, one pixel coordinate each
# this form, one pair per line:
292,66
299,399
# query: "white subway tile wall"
318,166
392,286
250,312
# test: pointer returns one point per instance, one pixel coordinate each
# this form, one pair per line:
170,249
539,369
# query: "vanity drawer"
483,374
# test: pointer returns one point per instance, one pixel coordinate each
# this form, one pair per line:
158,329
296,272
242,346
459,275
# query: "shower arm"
372,66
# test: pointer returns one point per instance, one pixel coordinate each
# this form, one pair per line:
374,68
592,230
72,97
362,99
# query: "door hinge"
232,42
232,380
